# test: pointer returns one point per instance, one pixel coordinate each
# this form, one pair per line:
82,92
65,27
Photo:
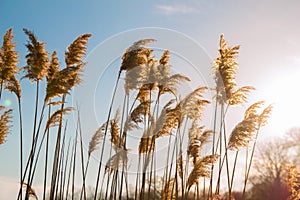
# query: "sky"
267,30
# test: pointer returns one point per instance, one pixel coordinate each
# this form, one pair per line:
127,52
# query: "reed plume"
164,61
197,138
192,105
60,82
77,51
179,166
143,109
117,160
56,117
224,71
136,54
240,96
242,134
264,116
261,120
8,58
145,81
168,191
252,110
292,181
53,67
5,120
13,85
168,122
201,169
98,135
115,131
37,58
146,144
31,192
167,83
170,84
134,62
244,131
8,65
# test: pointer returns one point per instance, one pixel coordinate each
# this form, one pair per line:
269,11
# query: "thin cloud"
175,9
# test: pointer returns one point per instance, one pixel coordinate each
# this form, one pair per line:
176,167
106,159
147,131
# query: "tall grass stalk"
105,133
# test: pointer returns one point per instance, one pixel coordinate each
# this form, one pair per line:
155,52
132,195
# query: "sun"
284,93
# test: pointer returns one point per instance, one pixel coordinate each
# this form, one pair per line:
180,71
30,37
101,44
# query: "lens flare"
7,102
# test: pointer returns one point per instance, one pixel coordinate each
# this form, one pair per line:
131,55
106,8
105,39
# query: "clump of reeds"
157,111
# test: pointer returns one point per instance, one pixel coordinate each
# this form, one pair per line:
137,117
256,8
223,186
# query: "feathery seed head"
8,57
117,160
37,60
77,51
239,96
146,144
201,169
193,104
57,116
264,116
242,134
136,54
5,120
164,60
13,85
251,112
98,135
168,121
115,131
53,67
60,82
197,138
224,71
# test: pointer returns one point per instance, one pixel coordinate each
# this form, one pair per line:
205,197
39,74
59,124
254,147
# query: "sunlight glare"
285,95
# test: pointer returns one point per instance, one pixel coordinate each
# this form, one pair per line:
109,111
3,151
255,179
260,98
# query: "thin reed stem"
105,133
56,154
82,157
249,166
74,166
70,169
46,156
233,171
210,195
65,170
21,143
33,136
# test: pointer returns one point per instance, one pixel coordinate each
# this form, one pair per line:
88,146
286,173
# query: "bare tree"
271,164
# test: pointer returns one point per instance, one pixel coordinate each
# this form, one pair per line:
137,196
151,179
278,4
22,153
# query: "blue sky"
268,32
